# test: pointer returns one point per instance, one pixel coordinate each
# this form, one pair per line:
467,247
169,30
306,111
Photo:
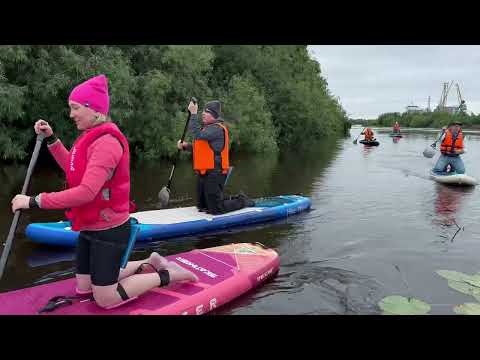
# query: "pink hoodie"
103,156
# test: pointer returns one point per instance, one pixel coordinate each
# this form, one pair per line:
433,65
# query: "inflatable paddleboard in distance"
454,179
156,225
370,143
395,135
224,272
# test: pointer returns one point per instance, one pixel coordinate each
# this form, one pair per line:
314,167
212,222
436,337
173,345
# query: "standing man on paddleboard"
211,160
451,147
97,169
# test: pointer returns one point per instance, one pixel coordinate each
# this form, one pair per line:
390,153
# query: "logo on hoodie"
72,159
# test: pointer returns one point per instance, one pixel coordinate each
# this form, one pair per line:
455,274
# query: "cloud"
374,79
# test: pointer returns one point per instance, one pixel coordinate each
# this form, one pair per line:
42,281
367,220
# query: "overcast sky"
374,79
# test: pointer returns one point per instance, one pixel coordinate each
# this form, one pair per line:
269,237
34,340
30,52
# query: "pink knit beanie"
93,93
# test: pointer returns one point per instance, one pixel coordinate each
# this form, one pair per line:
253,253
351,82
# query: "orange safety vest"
204,156
449,144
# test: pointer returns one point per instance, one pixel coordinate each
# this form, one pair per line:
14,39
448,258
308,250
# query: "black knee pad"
122,292
140,268
164,277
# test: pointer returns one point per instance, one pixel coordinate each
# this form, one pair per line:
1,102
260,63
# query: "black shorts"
100,253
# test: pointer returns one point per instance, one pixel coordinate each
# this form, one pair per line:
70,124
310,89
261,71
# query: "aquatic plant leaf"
400,305
474,280
465,288
467,309
453,275
388,313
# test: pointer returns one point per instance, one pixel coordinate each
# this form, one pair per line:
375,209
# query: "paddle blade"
164,196
429,152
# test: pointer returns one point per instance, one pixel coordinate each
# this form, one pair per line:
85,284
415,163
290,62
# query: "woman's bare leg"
138,284
159,262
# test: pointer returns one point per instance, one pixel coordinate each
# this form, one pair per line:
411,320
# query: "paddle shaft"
230,169
13,226
359,135
435,143
178,152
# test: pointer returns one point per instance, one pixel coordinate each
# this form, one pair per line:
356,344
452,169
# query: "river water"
378,225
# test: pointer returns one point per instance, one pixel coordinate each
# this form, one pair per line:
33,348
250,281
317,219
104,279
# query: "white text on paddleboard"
264,275
196,267
199,308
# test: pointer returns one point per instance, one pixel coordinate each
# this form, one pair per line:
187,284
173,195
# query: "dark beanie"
214,107
455,122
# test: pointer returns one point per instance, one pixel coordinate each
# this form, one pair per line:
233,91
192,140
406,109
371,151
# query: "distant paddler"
369,135
396,128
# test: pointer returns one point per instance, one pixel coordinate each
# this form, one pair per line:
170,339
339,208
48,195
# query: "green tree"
246,107
275,95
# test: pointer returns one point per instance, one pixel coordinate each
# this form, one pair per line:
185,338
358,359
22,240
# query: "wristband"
32,203
51,139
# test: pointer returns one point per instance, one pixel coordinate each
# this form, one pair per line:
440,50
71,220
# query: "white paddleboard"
454,179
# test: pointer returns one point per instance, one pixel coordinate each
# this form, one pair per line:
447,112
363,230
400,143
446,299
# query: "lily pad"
474,280
453,275
467,309
465,288
400,305
458,276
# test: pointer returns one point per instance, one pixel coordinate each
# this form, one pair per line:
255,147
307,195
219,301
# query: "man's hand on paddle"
181,145
42,126
193,108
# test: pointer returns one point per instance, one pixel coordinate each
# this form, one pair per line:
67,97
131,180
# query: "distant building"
414,109
452,109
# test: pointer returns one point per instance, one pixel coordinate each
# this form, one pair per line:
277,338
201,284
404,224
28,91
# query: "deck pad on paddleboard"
454,179
224,272
169,223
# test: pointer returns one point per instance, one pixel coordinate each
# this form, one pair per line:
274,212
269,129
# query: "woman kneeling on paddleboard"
97,170
451,147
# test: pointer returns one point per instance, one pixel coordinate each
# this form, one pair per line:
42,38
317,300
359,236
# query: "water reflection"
47,256
447,205
367,149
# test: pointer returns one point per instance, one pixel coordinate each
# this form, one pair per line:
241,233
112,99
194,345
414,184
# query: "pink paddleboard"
224,272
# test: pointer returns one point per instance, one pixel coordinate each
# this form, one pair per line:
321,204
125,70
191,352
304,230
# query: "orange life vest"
368,134
449,143
204,156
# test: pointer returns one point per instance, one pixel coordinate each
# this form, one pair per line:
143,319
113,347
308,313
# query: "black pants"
210,194
100,253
